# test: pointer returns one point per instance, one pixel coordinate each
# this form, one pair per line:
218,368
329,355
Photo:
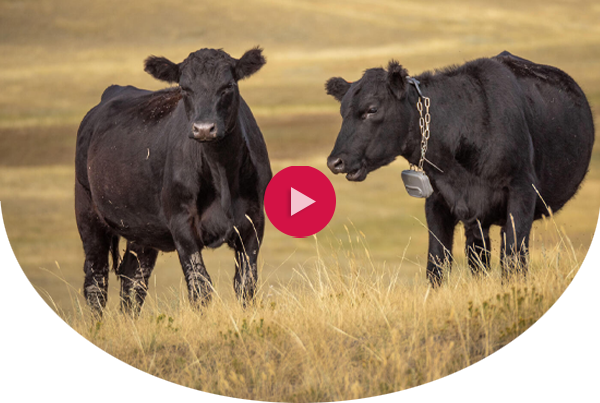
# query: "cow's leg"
96,238
189,249
197,278
441,223
134,272
515,233
478,248
246,246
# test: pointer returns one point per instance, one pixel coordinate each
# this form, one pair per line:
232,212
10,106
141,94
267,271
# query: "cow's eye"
186,90
369,112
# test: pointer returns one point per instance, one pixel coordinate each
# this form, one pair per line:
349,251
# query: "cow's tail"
114,253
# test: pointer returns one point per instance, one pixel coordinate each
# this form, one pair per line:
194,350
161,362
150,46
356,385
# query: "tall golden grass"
341,328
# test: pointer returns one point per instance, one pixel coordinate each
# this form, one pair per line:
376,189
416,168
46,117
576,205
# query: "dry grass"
342,328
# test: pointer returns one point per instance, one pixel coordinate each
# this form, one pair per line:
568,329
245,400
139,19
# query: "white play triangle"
299,201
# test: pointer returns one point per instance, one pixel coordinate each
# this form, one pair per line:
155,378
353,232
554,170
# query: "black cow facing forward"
501,128
181,169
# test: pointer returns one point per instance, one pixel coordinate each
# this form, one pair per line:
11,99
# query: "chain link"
424,126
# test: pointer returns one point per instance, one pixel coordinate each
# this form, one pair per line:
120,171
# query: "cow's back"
561,126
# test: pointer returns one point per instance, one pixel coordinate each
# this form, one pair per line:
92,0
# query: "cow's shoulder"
255,143
475,70
134,103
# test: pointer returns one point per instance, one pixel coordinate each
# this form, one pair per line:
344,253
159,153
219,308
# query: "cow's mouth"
357,176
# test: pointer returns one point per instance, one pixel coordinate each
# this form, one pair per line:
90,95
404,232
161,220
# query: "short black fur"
162,69
249,63
502,130
337,87
184,168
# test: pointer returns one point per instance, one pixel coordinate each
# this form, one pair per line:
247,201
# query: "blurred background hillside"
58,56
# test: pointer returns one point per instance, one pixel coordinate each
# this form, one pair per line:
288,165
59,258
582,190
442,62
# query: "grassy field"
338,332
324,303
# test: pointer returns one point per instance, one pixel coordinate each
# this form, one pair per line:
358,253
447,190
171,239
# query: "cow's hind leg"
246,246
134,273
441,223
515,233
478,248
97,242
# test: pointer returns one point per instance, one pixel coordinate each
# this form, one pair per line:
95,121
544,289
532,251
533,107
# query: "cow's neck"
411,146
224,160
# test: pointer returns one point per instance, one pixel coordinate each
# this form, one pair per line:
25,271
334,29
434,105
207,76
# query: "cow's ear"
337,87
396,77
162,69
249,63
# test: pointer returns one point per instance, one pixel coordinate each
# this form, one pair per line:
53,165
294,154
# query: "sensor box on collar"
417,183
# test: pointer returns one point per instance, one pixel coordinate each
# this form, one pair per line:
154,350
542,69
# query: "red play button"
300,201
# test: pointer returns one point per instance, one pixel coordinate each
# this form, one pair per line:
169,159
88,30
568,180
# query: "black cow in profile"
502,130
184,168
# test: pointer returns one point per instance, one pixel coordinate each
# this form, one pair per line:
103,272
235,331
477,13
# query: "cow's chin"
366,167
357,176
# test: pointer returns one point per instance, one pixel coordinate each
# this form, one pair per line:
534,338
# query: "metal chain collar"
424,126
415,180
423,122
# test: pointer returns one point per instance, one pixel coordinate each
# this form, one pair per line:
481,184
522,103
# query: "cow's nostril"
336,165
198,128
204,131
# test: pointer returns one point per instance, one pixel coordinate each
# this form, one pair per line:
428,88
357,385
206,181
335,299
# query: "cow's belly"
127,199
135,225
148,235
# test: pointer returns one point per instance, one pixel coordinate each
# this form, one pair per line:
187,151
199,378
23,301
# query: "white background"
42,358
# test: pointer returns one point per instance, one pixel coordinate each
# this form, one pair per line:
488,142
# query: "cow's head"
208,79
372,118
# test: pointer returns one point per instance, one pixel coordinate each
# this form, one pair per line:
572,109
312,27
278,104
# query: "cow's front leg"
441,223
246,246
189,249
197,278
478,248
515,233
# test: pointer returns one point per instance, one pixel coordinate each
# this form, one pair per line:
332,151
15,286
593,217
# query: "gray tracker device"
417,183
